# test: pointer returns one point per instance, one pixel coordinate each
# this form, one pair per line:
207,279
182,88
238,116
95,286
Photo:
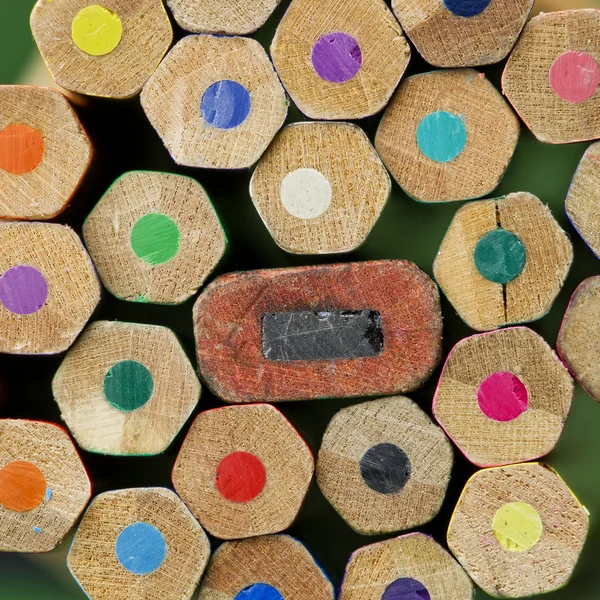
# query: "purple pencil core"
336,57
23,290
406,588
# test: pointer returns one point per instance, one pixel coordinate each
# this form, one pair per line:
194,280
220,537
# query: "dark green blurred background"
124,141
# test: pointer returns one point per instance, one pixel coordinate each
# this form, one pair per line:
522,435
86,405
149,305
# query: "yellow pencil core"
517,526
96,30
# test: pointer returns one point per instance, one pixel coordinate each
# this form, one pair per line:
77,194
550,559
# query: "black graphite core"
321,335
385,468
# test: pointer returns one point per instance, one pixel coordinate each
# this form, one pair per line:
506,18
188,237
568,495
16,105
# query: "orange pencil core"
22,486
21,149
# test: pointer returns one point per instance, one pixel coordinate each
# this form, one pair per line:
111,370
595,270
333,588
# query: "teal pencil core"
155,238
500,256
442,136
128,385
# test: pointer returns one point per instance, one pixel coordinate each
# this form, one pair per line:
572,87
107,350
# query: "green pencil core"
155,238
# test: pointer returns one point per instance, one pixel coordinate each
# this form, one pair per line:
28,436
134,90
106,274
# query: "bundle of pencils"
364,333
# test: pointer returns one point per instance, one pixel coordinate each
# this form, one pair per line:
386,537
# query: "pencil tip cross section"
226,104
409,567
385,468
442,136
574,76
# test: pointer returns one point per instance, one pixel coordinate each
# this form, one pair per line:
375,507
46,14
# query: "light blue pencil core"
141,548
442,136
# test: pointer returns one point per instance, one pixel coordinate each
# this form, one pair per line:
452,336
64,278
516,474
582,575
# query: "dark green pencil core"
500,256
128,385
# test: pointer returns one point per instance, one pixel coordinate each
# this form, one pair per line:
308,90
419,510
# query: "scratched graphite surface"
407,230
321,335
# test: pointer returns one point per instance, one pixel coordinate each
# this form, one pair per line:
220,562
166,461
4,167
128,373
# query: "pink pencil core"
574,77
502,397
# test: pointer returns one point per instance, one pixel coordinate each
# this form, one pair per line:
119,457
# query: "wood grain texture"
276,560
372,569
73,287
448,40
147,35
262,431
229,17
545,567
49,448
492,132
583,201
483,304
523,353
360,187
108,235
227,323
46,190
173,95
355,430
98,426
93,560
526,82
578,341
385,56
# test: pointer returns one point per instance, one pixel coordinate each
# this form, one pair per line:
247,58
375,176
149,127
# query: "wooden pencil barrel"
447,135
577,343
48,288
409,567
553,74
384,466
518,530
273,567
43,485
503,261
154,237
243,471
126,389
503,397
459,33
108,49
216,102
356,329
339,59
138,543
227,17
44,152
320,188
582,203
